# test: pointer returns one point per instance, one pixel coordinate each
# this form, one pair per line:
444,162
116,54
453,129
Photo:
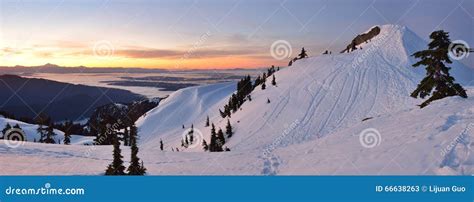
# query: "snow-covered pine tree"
135,168
274,81
437,73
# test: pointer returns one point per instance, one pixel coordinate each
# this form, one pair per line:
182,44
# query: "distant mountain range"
28,97
52,68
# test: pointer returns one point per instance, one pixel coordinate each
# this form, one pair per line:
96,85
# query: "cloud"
190,53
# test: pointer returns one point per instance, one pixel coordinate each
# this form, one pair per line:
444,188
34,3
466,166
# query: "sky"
200,34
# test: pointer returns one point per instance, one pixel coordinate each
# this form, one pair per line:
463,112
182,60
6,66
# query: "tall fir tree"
214,145
220,139
205,147
191,134
50,135
437,73
135,168
207,122
274,81
116,167
43,121
126,137
228,129
67,132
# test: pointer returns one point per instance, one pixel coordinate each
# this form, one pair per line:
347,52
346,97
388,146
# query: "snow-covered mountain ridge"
322,94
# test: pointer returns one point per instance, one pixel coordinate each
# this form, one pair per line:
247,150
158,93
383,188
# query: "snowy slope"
183,107
319,95
32,134
406,147
312,125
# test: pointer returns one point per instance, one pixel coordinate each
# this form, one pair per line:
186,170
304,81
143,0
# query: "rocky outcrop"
361,38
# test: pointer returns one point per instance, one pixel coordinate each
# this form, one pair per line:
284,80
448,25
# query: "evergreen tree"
7,127
303,54
274,81
205,147
191,134
135,168
258,81
161,145
268,100
214,145
116,167
50,135
220,139
228,129
290,63
67,132
42,120
437,73
207,122
41,130
126,137
186,141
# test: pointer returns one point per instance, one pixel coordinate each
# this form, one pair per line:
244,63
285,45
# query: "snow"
32,134
312,125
